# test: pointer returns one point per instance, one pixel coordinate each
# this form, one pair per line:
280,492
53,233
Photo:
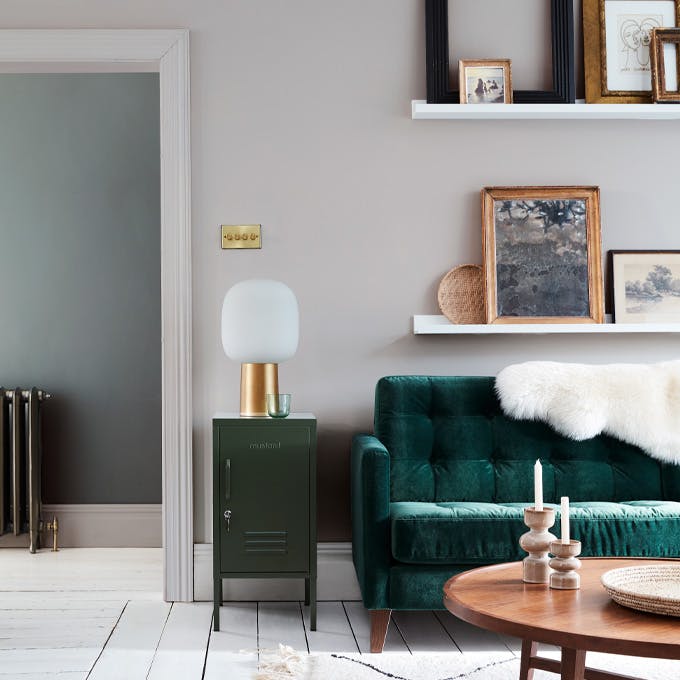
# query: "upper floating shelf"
421,110
436,324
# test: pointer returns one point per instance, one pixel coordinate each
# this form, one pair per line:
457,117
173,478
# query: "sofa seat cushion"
484,533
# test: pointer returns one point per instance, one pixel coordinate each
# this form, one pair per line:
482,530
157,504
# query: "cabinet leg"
217,602
312,602
307,592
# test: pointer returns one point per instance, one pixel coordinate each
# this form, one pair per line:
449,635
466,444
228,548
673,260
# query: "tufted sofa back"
449,441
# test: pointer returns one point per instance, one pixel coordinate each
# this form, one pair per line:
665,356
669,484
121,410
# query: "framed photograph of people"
617,39
485,81
646,285
542,254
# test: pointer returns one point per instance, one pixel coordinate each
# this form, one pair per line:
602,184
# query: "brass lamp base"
257,381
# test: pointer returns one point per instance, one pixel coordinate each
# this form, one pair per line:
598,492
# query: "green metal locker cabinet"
264,501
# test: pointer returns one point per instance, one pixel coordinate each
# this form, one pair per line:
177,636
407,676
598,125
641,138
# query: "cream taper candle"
564,519
538,486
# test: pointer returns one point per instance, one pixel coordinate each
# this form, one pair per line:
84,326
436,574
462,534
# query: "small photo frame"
665,61
646,286
485,81
542,254
617,40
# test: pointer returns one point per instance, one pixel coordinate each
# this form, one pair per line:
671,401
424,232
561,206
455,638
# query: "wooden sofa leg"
380,619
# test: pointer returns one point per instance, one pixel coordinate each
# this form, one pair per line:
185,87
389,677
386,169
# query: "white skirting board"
103,525
336,578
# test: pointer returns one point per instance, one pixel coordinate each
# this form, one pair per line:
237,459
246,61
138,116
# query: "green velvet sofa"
441,485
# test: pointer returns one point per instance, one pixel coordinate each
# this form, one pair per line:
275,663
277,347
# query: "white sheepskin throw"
638,404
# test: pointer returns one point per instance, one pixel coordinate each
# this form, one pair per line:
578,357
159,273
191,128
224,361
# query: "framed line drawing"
617,39
646,286
542,254
439,90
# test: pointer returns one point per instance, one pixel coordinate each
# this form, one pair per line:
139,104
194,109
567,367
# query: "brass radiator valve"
52,526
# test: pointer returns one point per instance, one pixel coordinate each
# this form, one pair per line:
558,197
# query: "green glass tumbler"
278,405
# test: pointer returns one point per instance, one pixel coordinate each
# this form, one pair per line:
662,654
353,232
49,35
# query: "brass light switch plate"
241,236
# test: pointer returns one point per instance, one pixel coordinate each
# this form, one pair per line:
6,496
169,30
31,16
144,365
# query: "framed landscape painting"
646,286
542,255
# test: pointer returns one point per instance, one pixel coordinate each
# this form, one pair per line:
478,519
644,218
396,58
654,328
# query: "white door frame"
168,52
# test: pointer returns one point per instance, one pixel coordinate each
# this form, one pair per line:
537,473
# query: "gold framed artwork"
646,285
665,61
542,254
485,81
617,40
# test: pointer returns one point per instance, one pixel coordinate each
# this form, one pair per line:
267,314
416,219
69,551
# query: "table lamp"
260,328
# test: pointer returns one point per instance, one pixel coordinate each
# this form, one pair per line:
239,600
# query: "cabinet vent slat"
266,542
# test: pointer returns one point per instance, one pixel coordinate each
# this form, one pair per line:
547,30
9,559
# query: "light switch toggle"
241,236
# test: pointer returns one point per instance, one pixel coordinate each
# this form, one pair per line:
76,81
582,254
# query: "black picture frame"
437,55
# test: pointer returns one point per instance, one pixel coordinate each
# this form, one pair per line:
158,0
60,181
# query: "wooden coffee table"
578,621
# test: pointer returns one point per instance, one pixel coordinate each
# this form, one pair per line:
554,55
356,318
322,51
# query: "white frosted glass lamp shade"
260,322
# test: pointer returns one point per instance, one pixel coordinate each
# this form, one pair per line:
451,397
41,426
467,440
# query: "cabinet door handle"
227,519
227,480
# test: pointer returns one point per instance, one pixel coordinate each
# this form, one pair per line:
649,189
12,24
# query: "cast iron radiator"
20,462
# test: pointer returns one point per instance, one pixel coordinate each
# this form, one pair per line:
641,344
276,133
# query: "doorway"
167,53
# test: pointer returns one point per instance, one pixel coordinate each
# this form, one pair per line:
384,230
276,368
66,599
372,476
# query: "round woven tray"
461,294
652,588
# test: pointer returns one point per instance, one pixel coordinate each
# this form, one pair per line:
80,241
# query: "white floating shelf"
421,110
437,324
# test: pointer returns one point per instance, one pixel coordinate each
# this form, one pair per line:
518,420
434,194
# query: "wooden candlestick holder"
537,543
566,565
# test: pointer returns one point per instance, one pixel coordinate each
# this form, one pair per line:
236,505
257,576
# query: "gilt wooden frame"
595,58
591,195
660,38
505,64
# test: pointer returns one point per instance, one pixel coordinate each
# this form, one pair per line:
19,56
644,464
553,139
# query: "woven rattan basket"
651,588
461,294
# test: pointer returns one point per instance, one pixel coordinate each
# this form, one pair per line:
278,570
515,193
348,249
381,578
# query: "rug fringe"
282,664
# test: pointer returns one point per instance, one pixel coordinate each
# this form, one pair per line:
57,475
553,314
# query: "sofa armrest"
370,487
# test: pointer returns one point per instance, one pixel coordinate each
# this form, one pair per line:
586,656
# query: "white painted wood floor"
97,614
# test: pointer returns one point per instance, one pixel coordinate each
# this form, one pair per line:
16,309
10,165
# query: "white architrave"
168,51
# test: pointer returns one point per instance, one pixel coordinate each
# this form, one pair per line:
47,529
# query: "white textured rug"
287,664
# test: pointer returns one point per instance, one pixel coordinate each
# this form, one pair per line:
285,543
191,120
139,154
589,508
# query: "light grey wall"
301,121
80,276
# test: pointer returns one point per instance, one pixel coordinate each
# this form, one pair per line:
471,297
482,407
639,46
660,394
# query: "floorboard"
512,643
234,647
333,632
20,663
184,643
83,569
131,648
423,632
470,639
280,623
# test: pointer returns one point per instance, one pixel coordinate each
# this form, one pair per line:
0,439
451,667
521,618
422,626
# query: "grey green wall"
301,121
80,276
